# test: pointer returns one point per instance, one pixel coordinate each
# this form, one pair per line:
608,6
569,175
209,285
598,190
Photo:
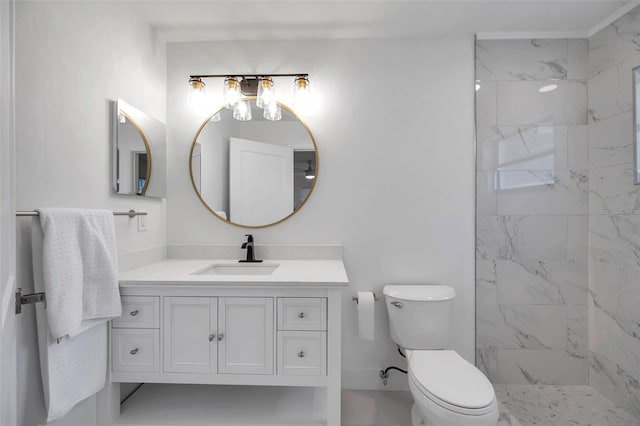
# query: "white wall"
72,58
394,124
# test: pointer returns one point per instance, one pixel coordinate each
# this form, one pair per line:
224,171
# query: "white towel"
80,269
75,368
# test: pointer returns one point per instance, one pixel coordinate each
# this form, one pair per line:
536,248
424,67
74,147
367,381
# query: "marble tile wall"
614,215
532,206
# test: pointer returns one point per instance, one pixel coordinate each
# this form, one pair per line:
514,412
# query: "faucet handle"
249,238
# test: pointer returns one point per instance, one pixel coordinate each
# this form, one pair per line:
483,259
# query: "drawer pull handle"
301,315
301,354
133,313
211,337
220,336
133,351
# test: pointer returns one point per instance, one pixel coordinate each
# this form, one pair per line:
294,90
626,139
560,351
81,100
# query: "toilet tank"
420,316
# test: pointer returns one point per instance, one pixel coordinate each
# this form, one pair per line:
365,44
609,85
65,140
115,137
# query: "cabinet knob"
301,315
220,336
211,337
133,313
301,354
133,351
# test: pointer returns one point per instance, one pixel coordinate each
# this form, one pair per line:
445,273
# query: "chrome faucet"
250,250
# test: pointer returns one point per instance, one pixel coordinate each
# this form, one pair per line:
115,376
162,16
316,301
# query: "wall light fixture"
262,86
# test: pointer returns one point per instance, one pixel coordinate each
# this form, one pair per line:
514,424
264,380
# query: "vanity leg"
108,404
108,399
334,357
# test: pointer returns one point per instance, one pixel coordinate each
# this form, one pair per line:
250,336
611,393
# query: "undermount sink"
239,269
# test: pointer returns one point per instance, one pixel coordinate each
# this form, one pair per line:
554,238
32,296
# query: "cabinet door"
247,330
190,325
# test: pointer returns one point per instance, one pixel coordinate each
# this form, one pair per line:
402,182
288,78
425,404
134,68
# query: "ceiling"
184,20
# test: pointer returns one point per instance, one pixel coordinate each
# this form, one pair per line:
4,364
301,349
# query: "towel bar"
27,299
130,213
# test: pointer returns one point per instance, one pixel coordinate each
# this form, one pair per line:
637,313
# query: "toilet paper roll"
365,314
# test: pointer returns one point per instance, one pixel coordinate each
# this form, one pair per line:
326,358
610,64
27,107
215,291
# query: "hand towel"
79,260
73,368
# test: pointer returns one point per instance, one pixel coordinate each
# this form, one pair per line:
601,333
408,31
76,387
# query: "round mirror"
251,171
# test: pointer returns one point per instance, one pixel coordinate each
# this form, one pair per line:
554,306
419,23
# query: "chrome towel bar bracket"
27,299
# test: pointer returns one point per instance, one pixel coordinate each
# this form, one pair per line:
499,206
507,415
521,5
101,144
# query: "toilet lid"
446,376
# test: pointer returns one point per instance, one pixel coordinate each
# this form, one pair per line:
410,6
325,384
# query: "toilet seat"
448,380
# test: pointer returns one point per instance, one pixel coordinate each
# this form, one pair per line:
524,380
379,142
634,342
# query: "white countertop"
313,273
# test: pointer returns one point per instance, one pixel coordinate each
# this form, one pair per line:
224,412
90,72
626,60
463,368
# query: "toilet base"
417,418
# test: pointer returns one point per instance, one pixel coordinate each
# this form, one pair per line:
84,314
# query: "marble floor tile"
561,406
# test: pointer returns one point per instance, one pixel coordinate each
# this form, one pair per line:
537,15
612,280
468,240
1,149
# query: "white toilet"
447,390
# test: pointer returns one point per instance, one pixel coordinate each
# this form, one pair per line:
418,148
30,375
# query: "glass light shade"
301,94
272,111
265,92
198,97
231,92
242,111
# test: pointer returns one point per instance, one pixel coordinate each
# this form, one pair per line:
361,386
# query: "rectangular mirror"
139,152
636,124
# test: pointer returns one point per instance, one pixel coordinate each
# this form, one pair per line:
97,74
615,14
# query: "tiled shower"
532,177
558,215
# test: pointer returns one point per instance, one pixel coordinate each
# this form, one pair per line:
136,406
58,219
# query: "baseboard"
369,379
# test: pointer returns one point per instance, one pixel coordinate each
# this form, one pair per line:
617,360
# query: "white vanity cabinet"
230,337
229,331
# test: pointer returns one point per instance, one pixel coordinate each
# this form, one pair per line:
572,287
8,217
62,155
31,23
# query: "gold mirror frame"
146,147
204,203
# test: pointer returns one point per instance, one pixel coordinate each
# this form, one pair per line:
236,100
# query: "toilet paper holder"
355,298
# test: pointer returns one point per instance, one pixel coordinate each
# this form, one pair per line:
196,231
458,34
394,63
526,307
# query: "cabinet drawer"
302,313
139,312
135,350
302,353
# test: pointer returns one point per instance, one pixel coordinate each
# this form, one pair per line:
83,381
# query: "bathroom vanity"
275,323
